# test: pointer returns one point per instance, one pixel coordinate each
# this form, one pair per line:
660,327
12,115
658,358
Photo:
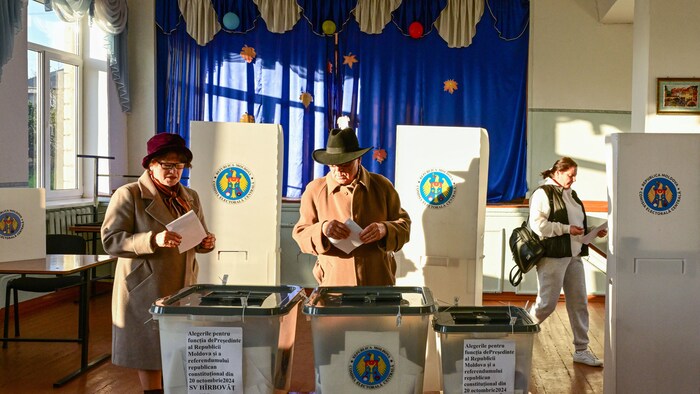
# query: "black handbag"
527,251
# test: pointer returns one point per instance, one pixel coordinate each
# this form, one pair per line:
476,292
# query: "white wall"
141,122
580,86
673,51
14,169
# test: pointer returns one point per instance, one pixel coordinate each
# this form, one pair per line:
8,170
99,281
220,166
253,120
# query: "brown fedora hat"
342,147
163,143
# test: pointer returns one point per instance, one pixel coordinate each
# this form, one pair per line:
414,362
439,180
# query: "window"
62,57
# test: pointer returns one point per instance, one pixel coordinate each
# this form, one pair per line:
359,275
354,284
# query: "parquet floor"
27,367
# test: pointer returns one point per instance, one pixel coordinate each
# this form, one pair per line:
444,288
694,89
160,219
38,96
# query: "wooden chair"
55,244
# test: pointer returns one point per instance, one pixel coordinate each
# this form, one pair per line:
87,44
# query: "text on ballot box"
369,338
485,349
214,360
227,339
489,366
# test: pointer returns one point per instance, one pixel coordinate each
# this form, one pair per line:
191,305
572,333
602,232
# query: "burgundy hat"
163,143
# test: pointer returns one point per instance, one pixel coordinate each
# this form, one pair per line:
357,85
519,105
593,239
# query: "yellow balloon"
328,27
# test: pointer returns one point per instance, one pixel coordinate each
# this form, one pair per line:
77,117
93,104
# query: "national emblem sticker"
371,367
233,183
660,194
436,188
11,224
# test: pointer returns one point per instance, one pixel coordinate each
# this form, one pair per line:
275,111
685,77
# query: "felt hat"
342,147
164,143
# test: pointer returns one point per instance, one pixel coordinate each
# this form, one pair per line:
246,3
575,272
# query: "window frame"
45,56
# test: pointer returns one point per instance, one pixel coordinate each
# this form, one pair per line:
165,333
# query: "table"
58,264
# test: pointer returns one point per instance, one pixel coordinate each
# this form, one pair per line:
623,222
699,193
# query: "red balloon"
415,30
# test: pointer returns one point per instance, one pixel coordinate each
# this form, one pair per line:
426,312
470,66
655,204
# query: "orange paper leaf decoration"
306,99
450,86
248,53
379,155
349,59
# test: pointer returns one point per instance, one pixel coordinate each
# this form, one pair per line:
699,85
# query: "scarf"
176,204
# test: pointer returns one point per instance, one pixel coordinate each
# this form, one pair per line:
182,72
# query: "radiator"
59,220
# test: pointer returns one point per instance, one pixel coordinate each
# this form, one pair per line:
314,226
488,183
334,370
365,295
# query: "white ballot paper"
588,238
190,229
348,244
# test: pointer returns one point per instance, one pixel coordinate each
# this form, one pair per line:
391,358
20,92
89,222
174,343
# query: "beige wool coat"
144,272
372,198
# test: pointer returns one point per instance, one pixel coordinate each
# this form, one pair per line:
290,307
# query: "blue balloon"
231,21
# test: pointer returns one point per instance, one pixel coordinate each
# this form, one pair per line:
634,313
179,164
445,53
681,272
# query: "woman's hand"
373,232
209,242
167,239
575,230
602,233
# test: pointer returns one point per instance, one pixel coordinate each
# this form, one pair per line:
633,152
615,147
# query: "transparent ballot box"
370,337
219,338
485,349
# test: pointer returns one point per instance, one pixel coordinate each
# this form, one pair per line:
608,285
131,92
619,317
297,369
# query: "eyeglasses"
171,166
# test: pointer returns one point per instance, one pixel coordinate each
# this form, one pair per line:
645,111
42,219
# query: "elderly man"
350,192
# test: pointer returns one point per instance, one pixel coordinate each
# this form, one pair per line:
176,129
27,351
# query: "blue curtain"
385,88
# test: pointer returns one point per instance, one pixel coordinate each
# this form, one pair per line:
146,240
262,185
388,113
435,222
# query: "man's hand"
373,232
335,229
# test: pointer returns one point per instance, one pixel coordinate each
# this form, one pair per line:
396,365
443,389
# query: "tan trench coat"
374,199
135,213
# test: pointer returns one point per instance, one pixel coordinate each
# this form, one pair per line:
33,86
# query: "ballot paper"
349,244
588,238
190,229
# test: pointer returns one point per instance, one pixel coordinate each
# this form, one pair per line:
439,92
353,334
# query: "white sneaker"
588,358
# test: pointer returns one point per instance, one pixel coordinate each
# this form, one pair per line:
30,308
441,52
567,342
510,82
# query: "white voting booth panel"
652,339
447,238
237,172
22,224
441,177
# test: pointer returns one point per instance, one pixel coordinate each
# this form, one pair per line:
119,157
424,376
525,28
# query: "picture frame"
677,95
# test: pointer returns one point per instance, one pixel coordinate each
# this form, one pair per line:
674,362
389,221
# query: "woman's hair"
562,164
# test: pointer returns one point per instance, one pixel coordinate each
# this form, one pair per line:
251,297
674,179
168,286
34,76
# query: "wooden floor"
27,367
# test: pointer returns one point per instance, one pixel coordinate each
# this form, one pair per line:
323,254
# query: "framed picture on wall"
677,95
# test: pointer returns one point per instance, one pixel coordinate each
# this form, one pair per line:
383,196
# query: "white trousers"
553,274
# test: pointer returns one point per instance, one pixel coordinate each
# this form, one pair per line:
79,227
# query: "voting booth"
22,224
237,172
443,189
652,340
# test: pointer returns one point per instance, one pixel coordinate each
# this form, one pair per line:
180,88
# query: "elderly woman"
558,217
150,266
